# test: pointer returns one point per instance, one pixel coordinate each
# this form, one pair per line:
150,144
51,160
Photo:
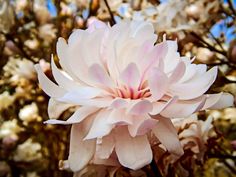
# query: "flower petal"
158,83
81,151
100,76
119,103
178,73
56,108
61,78
79,115
119,117
139,107
48,86
167,135
131,76
160,106
100,126
141,125
219,101
105,149
133,153
195,87
82,93
183,108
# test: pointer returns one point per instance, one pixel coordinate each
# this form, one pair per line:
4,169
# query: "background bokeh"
29,30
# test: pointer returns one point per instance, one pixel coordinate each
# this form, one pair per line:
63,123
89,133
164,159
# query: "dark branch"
110,12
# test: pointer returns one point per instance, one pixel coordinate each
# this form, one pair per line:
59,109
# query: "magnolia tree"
117,88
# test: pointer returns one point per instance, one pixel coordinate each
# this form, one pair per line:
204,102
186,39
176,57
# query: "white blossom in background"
41,11
124,88
6,100
32,174
28,151
17,68
29,113
47,32
194,134
9,128
7,19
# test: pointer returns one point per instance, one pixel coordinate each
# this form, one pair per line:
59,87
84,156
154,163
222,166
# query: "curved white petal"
219,101
105,149
167,135
159,106
119,117
62,79
79,115
48,86
131,76
196,87
132,152
81,151
158,83
100,76
56,108
100,126
141,125
139,107
183,108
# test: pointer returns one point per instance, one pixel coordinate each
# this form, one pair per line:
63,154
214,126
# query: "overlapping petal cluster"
124,88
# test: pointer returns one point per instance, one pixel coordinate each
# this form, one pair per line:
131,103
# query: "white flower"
47,32
123,88
7,19
9,128
6,100
17,68
28,151
29,113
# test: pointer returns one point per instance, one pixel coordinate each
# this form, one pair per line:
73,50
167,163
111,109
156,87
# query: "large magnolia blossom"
124,88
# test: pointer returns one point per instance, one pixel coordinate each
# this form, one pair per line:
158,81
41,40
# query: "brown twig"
231,7
110,12
217,41
207,44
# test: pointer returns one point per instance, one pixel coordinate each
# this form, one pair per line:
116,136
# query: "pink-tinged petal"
131,76
97,102
119,103
81,151
47,85
178,72
95,24
167,135
172,57
141,125
56,108
119,117
80,94
100,126
99,75
142,32
153,59
158,82
133,153
111,161
195,87
219,101
139,107
183,108
160,105
62,79
79,115
207,125
105,149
